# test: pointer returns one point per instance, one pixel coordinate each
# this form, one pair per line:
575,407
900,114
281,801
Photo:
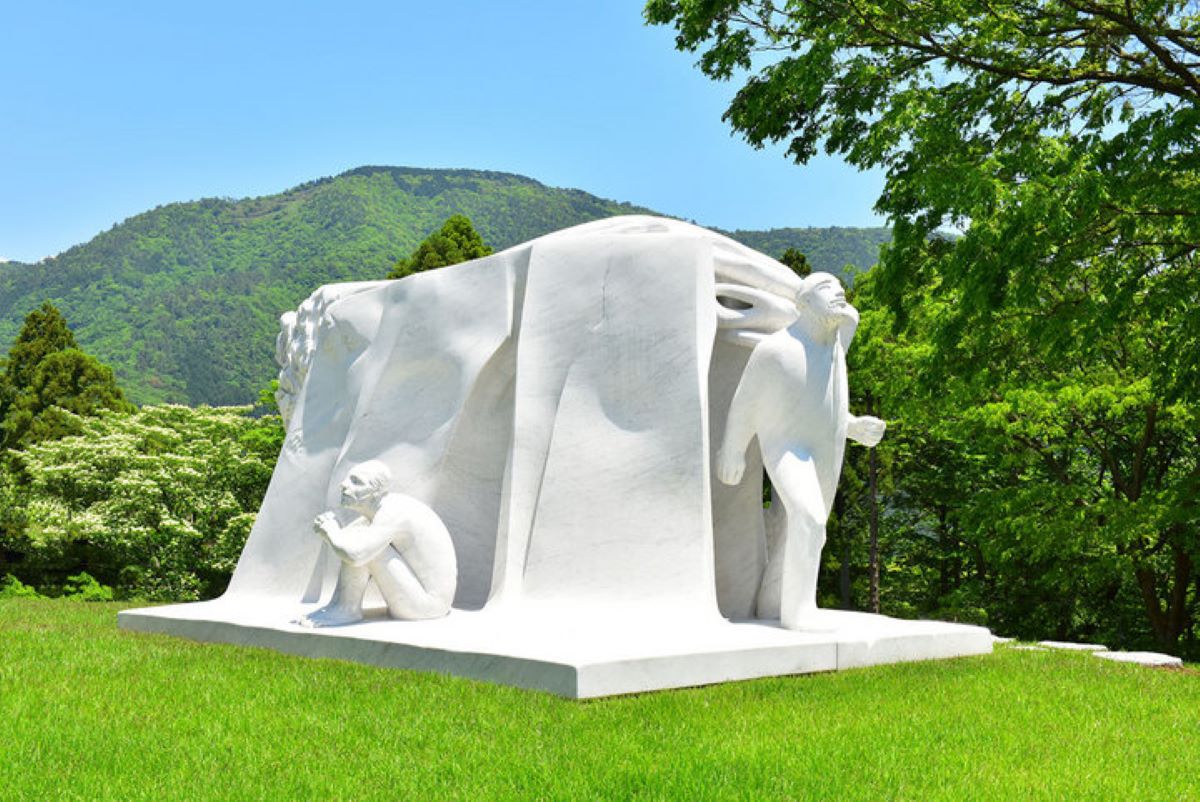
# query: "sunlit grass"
91,712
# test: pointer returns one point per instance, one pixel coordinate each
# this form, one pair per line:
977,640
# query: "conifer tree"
797,261
456,241
44,332
45,375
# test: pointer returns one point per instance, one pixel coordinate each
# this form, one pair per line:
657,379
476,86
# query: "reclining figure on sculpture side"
397,541
793,397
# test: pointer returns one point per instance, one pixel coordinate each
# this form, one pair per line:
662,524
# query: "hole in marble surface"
733,303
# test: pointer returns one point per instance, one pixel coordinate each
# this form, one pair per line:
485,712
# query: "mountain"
183,301
829,249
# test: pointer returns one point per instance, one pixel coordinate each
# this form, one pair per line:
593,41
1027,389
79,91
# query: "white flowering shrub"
156,503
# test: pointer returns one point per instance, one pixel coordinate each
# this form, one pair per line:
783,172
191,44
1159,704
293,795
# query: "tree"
1051,131
44,332
157,503
1054,327
456,241
46,377
65,384
797,261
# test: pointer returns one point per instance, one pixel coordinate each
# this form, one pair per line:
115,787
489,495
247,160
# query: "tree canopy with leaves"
44,332
456,241
46,376
795,259
156,504
1043,183
1050,131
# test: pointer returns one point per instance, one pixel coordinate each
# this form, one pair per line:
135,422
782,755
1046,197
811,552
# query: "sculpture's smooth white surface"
395,542
793,398
555,407
296,344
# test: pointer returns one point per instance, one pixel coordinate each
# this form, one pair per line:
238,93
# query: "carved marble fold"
554,403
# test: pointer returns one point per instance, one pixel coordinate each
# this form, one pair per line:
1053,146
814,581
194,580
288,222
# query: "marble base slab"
569,654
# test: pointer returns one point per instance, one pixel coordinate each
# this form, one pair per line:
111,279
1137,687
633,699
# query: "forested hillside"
183,300
828,249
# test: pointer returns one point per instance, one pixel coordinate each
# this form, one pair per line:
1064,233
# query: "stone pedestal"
572,655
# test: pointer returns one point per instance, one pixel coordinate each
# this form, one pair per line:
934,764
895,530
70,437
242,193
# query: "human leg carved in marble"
397,542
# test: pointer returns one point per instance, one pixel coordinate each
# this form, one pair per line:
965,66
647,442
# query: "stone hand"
730,466
325,524
866,429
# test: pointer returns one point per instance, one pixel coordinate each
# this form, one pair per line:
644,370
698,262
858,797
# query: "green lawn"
90,712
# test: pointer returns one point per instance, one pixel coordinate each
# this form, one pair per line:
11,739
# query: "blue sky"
110,109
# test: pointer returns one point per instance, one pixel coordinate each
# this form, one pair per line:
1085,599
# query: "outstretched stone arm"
360,545
865,429
763,314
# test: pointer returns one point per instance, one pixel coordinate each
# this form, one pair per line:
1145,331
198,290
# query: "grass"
91,712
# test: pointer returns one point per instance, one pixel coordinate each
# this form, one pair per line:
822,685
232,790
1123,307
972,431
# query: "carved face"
364,485
823,297
355,490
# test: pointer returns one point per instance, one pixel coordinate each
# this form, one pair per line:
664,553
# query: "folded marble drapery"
555,404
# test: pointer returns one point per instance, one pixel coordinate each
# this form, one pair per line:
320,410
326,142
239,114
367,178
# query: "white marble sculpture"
396,542
556,408
299,333
793,397
577,372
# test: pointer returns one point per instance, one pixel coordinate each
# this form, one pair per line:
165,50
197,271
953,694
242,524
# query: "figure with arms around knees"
397,542
793,396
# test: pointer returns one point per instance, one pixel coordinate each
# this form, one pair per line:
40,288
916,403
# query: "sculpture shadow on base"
549,413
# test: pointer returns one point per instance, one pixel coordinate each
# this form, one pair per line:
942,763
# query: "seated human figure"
398,542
